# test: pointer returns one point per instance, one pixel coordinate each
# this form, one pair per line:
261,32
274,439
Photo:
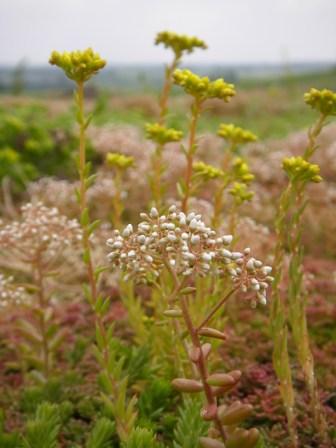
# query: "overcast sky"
123,30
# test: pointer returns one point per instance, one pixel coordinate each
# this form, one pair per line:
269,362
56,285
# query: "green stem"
42,317
83,201
166,89
217,307
195,114
156,182
122,423
117,202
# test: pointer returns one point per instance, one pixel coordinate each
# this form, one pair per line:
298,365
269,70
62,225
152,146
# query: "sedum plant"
180,44
80,66
300,172
184,247
201,89
190,426
101,434
43,430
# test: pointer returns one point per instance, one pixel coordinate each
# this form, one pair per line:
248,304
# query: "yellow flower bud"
299,170
201,87
79,66
207,172
179,43
162,135
240,193
322,100
241,171
119,160
235,134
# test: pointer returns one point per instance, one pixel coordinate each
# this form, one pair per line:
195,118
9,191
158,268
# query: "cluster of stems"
179,44
224,419
289,230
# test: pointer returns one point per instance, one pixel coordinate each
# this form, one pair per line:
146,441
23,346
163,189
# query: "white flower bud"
266,270
195,239
226,253
236,255
171,237
141,239
227,239
250,264
193,224
128,230
206,257
149,259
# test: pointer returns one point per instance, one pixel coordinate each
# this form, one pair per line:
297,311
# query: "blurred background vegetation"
37,130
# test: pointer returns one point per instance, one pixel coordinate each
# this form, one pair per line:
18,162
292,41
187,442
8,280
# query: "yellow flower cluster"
241,171
179,43
235,134
162,135
240,193
322,100
299,170
201,87
119,160
79,66
207,172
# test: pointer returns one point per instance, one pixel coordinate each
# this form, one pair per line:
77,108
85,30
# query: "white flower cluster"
10,293
41,230
184,244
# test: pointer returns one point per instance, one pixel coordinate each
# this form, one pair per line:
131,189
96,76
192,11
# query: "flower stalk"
80,67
